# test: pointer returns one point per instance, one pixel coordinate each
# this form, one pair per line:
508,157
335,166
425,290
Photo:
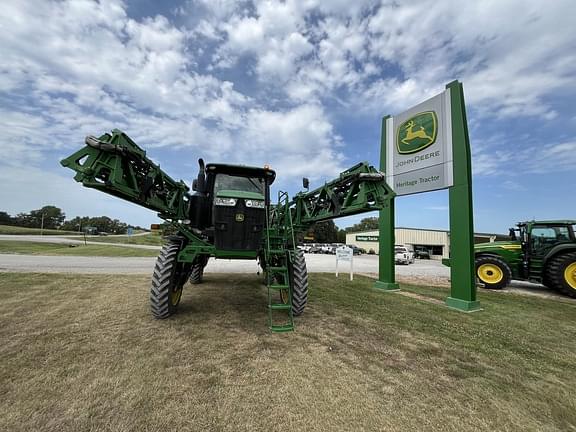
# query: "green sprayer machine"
228,215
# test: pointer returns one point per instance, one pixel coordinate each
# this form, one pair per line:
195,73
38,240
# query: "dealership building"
435,242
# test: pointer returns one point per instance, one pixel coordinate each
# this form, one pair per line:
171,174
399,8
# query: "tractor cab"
229,207
540,237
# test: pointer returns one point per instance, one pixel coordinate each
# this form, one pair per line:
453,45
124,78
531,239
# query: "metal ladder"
278,229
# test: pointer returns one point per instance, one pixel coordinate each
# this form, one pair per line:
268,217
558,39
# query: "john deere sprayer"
229,214
539,251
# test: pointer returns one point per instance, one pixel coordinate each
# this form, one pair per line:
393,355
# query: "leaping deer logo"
410,134
417,132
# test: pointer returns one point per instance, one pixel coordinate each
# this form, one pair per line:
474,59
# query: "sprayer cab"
228,205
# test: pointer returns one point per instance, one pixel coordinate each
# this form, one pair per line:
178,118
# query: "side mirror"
305,183
195,184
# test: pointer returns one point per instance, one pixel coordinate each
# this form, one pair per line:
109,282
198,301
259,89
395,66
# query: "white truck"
402,255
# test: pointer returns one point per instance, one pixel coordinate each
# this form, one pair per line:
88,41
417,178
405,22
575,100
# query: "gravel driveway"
424,272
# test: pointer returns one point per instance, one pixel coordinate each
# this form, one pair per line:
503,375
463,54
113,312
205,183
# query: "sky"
299,85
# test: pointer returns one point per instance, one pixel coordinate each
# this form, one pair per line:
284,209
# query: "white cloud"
71,68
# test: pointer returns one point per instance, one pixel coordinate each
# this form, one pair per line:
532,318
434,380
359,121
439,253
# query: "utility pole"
42,224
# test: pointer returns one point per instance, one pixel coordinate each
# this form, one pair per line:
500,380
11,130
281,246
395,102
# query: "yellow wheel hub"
175,296
490,273
570,275
284,298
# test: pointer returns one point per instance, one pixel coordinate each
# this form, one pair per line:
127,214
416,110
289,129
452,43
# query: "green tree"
5,219
76,224
366,224
325,232
53,217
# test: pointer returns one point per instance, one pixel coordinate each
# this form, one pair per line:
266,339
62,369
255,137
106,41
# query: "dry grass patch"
83,353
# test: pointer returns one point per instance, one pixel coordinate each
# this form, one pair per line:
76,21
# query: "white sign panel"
419,147
344,253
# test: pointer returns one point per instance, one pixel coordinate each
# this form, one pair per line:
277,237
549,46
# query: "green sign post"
427,148
462,279
386,276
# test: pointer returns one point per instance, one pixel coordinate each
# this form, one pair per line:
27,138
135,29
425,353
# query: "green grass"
150,239
37,248
83,353
14,230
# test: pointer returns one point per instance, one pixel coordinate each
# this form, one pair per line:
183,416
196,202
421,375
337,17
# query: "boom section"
116,165
359,189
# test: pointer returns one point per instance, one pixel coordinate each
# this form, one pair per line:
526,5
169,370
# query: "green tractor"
229,215
539,251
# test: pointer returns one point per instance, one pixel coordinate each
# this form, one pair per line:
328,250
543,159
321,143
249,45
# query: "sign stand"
345,254
386,277
462,278
454,171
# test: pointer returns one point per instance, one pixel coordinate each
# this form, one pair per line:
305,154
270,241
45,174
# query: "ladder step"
279,287
282,328
277,269
277,251
279,306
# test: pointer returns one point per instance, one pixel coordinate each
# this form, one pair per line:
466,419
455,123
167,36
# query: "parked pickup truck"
402,255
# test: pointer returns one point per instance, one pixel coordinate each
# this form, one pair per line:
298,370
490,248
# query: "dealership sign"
419,147
367,238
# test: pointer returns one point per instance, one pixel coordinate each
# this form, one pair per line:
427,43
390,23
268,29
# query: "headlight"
228,202
255,204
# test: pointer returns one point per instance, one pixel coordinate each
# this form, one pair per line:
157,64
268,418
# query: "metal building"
435,242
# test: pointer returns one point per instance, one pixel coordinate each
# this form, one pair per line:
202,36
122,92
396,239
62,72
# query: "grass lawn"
37,248
150,239
14,230
83,353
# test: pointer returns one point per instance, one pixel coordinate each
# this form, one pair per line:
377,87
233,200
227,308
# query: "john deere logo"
239,217
417,133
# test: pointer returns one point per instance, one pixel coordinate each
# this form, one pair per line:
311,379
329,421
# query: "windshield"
244,184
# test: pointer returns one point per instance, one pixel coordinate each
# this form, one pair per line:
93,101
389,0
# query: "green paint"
417,133
386,277
463,283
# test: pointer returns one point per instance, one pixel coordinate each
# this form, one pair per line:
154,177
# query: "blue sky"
300,85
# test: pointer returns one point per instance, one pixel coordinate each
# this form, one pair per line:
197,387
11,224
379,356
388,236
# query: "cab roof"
242,171
549,222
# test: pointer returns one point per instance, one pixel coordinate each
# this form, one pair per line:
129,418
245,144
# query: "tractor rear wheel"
493,272
561,273
299,282
167,281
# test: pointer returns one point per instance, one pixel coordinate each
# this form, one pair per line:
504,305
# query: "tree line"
52,217
328,232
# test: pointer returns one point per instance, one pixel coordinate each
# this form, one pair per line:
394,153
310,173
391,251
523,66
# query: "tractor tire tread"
161,281
299,283
554,273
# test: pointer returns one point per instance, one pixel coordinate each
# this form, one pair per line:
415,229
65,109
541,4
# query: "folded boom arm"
114,164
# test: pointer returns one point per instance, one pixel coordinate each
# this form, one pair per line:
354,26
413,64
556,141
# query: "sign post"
462,278
386,276
344,253
423,149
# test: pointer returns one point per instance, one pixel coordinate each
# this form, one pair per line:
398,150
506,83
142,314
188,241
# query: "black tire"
493,272
299,283
560,273
167,281
196,274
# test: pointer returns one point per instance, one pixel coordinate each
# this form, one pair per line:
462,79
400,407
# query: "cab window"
236,183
